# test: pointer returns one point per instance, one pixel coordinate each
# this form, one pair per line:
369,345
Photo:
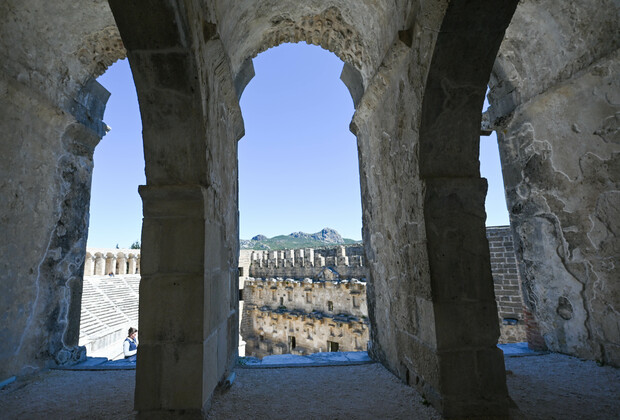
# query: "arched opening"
513,326
298,174
112,267
189,59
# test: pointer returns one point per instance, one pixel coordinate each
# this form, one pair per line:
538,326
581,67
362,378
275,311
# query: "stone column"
99,264
309,257
89,265
110,263
341,256
132,264
121,262
299,258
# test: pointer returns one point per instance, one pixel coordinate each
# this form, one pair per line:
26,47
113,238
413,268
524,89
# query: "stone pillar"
89,265
341,256
99,264
185,303
299,258
121,262
132,264
273,259
110,263
309,257
138,267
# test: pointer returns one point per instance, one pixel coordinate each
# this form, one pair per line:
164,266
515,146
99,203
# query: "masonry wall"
312,311
286,293
559,146
301,333
346,296
346,261
507,285
51,122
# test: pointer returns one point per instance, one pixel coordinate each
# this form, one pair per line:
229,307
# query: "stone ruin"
417,71
304,301
303,317
296,301
100,262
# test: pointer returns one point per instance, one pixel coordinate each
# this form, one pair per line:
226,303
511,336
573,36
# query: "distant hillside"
326,237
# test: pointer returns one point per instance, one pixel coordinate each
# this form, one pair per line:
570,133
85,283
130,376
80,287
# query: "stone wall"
417,72
343,261
507,285
267,294
302,333
555,103
51,122
308,295
312,311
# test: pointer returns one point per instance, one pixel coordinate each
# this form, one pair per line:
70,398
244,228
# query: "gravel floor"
543,387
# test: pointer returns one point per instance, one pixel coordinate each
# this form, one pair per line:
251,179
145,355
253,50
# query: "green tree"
135,245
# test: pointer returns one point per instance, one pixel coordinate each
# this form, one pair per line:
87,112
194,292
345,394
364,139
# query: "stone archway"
190,64
417,122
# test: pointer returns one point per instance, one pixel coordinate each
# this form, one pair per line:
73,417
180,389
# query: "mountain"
326,237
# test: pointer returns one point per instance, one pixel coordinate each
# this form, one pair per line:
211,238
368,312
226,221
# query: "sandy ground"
544,387
337,392
70,395
556,386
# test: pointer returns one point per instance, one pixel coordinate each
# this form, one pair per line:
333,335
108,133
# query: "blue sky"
298,167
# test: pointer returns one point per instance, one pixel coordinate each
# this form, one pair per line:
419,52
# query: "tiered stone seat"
109,307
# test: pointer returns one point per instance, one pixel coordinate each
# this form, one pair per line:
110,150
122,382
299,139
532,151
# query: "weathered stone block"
170,308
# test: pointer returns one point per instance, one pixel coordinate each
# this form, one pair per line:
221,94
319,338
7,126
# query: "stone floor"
550,386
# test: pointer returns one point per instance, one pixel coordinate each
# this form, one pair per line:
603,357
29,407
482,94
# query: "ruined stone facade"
303,317
281,289
346,262
417,71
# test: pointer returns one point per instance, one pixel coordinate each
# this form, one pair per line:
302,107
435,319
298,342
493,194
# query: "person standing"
130,345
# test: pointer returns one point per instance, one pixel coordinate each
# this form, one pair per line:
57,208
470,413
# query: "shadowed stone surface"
417,71
557,116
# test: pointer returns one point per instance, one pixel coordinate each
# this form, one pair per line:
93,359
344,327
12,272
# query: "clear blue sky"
298,167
